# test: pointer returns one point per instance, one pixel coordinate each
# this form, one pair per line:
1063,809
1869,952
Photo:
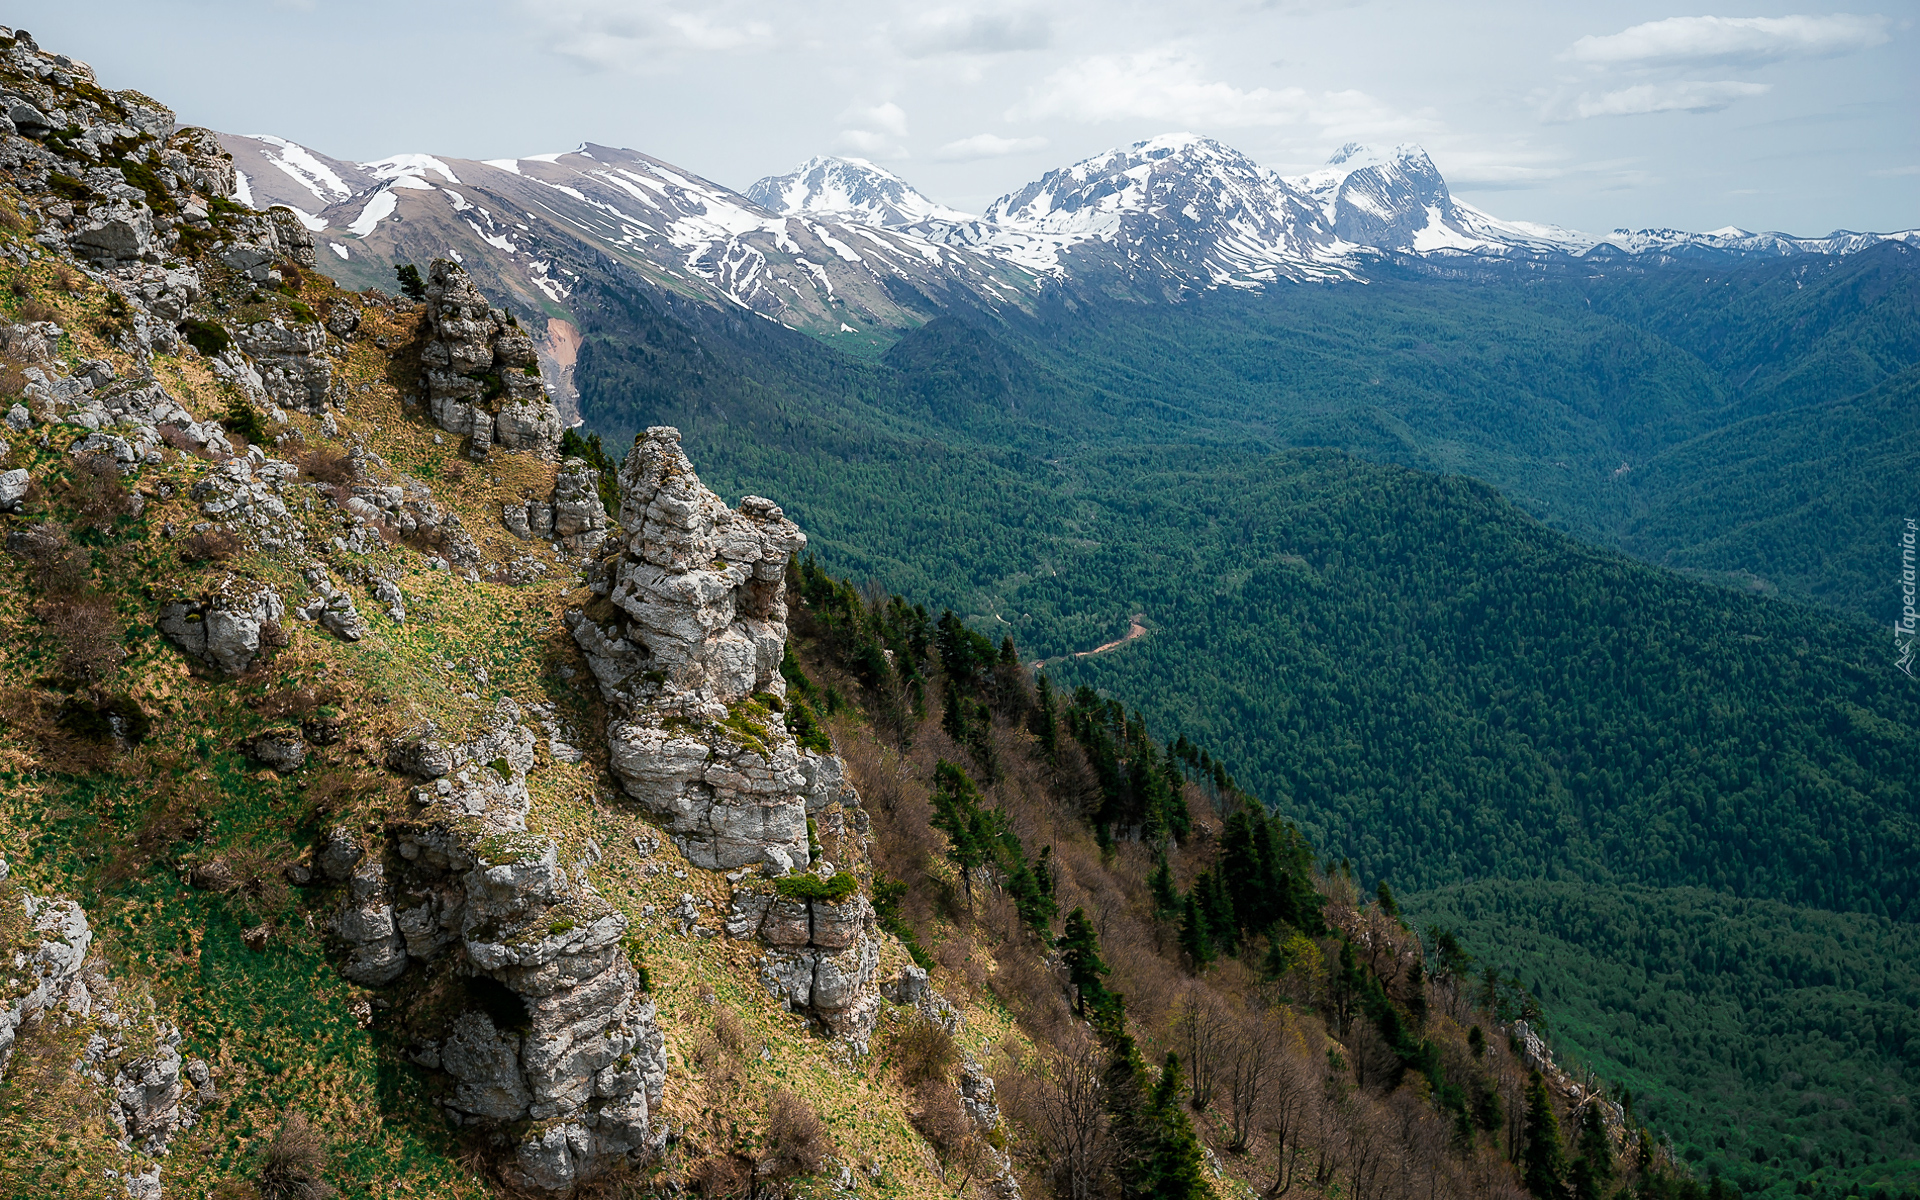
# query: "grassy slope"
121,833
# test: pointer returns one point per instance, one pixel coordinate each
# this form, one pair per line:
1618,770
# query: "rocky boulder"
556,1045
226,628
482,375
291,361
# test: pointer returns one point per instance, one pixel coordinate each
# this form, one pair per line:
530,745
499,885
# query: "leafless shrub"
328,465
290,1168
796,1138
284,702
87,633
35,309
20,287
213,545
722,1175
13,378
923,1050
937,1114
454,472
69,280
176,437
10,218
95,492
727,1029
55,566
966,964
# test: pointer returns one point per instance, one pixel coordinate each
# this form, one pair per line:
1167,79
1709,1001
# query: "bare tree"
1249,1061
1200,1027
1286,1119
1062,1103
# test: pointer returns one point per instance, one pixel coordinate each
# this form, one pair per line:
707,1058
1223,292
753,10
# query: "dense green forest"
1418,666
1682,414
1774,1043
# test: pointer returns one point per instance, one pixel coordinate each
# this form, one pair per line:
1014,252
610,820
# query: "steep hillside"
381,814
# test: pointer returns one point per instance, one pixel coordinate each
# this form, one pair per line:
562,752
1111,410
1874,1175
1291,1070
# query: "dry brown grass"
329,465
292,1164
35,309
213,545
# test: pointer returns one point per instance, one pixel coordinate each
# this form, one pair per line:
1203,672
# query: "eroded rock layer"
554,1044
686,644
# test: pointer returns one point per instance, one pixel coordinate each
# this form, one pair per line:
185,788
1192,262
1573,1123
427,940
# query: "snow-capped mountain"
1180,211
842,248
522,223
1397,200
852,188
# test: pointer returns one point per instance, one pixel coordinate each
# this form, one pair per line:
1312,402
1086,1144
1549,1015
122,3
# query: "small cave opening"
502,1004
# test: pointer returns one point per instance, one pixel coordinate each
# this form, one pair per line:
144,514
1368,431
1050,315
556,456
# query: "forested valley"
1375,534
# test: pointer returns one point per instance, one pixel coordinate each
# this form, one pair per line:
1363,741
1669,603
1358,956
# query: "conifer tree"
975,835
1593,1170
1385,895
1166,900
1194,942
1080,949
1545,1161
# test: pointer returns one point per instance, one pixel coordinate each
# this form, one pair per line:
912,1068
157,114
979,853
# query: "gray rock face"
283,752
558,1046
579,519
688,654
483,377
821,955
223,628
291,361
48,963
13,488
331,607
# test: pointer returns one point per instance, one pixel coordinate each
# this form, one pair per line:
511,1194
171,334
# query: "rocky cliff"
686,642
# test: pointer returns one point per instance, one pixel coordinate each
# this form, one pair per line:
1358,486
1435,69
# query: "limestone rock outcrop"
557,1043
291,360
48,963
57,975
225,628
576,517
483,377
687,649
686,644
821,953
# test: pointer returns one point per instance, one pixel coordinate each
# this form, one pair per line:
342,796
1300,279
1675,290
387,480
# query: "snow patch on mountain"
852,189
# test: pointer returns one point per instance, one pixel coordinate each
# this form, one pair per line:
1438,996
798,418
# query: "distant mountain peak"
850,189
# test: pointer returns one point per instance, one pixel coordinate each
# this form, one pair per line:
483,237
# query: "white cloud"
633,34
879,131
1170,88
887,118
968,31
987,145
1894,172
1744,40
1688,96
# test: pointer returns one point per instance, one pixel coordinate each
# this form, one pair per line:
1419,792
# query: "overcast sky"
1589,116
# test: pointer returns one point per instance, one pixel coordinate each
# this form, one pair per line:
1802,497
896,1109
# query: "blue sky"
1589,116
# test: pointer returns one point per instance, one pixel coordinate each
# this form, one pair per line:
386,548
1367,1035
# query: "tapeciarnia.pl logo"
1903,628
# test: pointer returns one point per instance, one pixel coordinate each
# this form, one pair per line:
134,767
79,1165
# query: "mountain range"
845,249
